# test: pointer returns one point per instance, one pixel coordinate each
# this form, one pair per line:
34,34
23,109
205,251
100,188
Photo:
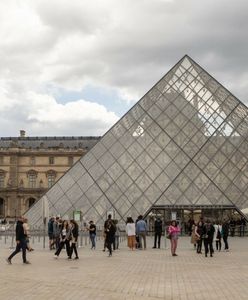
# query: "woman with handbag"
174,231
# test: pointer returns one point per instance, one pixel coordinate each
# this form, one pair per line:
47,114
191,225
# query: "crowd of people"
207,233
63,234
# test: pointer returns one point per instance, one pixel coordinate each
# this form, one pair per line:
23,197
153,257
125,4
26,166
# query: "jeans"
21,245
116,243
225,237
157,237
93,240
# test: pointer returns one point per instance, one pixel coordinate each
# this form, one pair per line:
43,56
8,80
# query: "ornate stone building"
29,166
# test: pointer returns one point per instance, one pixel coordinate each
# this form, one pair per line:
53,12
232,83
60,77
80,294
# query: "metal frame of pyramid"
184,144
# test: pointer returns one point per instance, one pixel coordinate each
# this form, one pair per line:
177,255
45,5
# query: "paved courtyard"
151,274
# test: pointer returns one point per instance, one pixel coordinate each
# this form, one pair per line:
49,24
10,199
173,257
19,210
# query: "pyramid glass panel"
183,144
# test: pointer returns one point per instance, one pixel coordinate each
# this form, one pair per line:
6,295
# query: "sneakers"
56,256
8,261
76,257
27,262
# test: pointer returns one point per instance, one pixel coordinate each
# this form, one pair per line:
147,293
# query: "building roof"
49,142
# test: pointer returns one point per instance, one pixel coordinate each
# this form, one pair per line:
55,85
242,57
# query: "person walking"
105,232
208,235
110,235
21,242
56,231
92,233
117,235
157,232
65,236
130,230
199,233
141,231
74,238
27,234
225,234
50,233
173,232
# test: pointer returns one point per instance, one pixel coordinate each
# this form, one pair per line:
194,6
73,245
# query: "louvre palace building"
29,166
181,148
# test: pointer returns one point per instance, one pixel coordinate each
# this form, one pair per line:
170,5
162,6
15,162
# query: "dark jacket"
225,229
158,226
208,231
20,235
74,233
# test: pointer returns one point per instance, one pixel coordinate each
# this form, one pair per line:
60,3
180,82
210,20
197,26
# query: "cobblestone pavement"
151,274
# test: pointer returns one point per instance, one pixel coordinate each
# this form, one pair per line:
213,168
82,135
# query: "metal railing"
39,237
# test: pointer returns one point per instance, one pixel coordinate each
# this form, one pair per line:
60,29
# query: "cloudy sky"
75,67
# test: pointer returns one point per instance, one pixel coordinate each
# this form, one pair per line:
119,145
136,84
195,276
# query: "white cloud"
126,46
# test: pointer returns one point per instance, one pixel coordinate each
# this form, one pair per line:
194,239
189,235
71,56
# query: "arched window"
30,202
1,207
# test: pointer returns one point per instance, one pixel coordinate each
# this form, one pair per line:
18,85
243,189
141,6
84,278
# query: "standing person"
141,231
117,235
194,237
27,233
174,231
225,234
199,233
74,238
21,242
56,232
130,230
50,233
157,232
105,232
217,235
110,235
232,225
208,235
65,236
242,226
92,233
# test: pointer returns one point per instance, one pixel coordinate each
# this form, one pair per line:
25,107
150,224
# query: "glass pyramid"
183,144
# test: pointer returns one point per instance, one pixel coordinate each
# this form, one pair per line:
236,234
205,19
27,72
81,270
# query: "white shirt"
130,229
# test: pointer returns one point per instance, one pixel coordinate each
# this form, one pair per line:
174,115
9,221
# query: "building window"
70,160
1,207
31,202
1,180
1,160
32,160
51,179
31,180
51,160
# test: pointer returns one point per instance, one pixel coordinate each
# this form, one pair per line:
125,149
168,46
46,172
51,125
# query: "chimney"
22,133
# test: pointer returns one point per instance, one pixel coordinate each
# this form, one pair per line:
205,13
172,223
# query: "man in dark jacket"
21,242
157,232
225,233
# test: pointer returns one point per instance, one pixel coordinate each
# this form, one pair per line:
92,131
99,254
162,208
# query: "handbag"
168,236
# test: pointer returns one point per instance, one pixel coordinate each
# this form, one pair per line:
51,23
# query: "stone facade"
30,165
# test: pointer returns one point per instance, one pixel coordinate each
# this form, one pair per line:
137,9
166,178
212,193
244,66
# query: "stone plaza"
151,274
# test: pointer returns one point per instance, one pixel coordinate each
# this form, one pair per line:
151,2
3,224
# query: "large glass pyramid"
183,144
